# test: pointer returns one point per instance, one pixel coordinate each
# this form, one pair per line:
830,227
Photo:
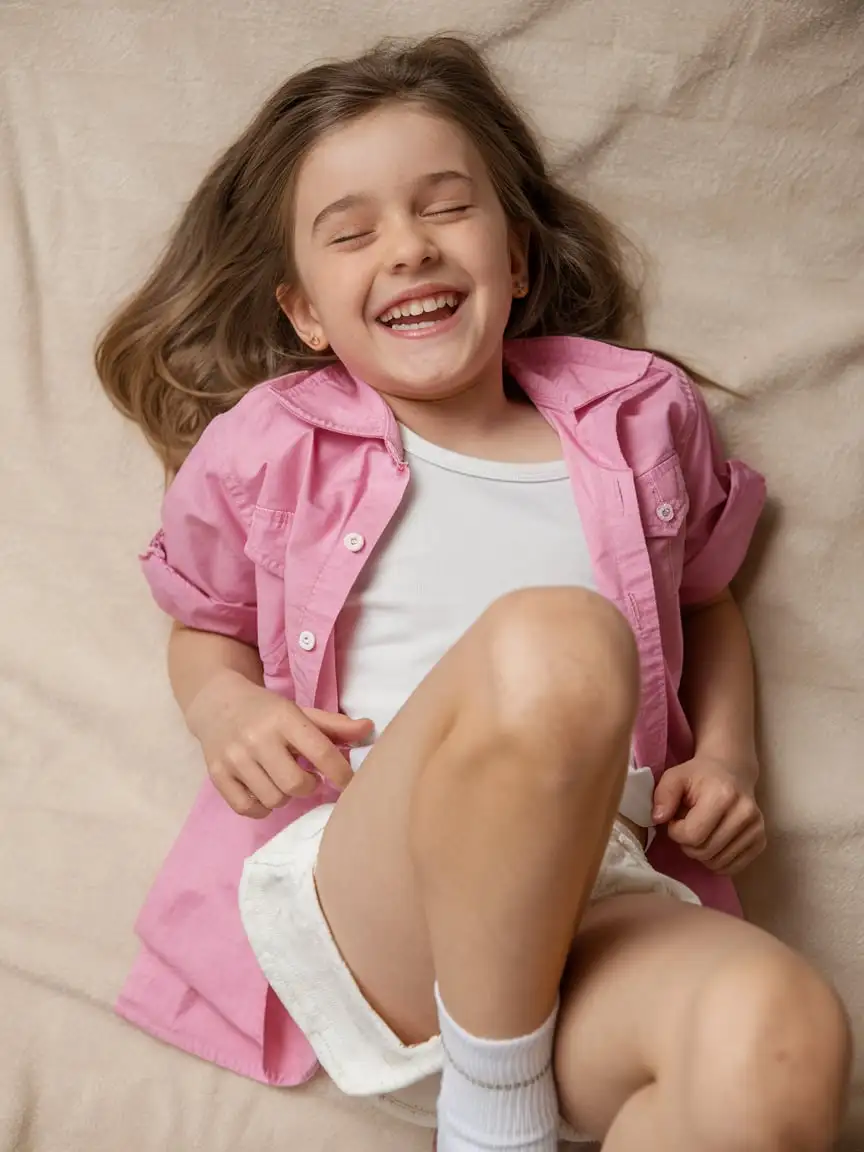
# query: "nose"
410,244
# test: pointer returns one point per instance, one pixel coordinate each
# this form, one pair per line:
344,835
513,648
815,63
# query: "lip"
433,288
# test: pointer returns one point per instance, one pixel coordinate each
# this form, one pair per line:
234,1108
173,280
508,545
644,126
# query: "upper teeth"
418,307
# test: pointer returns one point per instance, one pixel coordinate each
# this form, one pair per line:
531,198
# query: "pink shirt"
265,530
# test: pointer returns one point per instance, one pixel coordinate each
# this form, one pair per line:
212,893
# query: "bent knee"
565,647
769,1058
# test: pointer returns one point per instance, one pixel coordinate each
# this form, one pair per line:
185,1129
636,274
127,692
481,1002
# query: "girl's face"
407,265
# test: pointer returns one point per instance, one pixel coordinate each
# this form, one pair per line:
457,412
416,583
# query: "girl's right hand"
251,737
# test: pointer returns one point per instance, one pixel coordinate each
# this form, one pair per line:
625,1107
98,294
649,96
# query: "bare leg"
470,839
683,1030
512,813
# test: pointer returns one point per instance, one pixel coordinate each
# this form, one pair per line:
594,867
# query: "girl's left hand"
710,810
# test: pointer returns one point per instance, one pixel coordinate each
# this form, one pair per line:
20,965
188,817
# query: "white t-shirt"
467,532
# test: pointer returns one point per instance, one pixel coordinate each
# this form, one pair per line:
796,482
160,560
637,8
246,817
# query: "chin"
431,381
437,388
428,373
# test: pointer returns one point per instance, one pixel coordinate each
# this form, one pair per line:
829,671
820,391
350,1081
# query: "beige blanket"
726,135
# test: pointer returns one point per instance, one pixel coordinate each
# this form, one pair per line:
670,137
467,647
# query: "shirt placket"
608,507
311,640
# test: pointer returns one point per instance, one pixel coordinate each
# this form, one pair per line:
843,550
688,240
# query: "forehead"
384,151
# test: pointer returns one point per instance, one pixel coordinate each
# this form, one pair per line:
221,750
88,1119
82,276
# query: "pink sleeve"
726,501
196,565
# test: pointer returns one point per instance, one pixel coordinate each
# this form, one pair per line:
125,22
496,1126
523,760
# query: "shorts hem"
295,948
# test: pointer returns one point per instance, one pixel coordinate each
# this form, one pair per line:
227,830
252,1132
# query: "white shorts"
296,951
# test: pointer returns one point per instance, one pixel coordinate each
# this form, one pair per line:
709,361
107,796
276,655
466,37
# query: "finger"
668,795
740,818
702,820
250,773
741,851
338,726
285,772
308,741
744,862
238,797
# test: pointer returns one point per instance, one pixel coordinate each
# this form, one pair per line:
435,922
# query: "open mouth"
420,314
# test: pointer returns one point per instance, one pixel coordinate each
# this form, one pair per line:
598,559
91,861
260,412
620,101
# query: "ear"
518,245
301,312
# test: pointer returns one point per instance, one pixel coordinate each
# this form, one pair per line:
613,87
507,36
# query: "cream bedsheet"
727,135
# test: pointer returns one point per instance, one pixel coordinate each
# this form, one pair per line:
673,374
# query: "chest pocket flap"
267,542
663,500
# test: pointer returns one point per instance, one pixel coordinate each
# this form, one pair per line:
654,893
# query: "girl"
460,533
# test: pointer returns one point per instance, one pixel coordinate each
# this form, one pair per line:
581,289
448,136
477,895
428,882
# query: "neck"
481,421
477,412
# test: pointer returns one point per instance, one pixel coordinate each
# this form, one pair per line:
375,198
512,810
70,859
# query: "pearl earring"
314,341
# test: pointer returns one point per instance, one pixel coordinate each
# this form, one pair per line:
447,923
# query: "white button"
666,513
307,641
354,542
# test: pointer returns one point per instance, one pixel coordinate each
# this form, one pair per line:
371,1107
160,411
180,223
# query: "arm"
708,802
718,689
201,576
197,660
249,735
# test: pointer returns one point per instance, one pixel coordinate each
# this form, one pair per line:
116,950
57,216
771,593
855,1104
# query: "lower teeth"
406,327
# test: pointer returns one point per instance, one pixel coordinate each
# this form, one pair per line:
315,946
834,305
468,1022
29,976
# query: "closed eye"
353,236
451,211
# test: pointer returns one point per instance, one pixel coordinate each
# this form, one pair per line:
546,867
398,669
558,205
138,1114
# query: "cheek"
495,261
499,281
337,295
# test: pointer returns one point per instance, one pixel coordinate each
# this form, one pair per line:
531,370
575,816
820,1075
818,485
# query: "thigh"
525,647
365,875
637,969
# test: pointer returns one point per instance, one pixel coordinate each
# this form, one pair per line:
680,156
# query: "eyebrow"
353,199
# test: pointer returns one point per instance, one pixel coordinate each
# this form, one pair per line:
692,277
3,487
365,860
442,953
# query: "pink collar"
561,373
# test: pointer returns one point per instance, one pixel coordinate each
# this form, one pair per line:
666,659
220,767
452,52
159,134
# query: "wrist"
212,695
739,760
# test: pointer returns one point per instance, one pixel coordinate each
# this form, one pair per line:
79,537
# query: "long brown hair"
206,326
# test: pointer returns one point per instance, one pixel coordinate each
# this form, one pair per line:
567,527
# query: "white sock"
496,1094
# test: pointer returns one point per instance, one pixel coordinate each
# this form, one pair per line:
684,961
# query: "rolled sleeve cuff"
716,563
190,605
